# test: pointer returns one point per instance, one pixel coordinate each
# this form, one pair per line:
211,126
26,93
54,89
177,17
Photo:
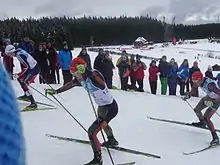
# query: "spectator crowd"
130,68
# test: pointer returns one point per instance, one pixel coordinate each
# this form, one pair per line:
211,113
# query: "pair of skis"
187,124
118,148
48,106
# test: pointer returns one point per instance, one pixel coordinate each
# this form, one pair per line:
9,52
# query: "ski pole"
93,107
42,94
62,106
70,114
49,85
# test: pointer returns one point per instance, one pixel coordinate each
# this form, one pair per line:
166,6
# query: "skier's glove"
187,96
50,92
208,103
15,76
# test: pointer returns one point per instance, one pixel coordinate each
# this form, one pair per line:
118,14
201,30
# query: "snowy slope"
131,126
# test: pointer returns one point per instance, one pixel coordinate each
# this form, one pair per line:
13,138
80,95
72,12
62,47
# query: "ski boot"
201,124
112,142
33,104
215,140
24,98
97,160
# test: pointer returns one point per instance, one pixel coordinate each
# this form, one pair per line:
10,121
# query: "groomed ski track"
131,128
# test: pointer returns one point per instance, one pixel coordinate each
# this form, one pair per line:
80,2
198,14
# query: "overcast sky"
186,11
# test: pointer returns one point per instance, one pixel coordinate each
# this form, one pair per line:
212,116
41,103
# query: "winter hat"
172,60
78,65
153,62
65,43
9,49
124,52
164,57
195,63
197,76
12,150
210,67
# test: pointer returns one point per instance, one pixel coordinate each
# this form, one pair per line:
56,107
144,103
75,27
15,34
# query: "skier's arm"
193,90
67,86
190,93
24,63
212,87
64,88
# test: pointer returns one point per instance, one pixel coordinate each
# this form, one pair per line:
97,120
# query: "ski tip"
185,153
128,163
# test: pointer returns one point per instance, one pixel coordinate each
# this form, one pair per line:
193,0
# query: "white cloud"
202,10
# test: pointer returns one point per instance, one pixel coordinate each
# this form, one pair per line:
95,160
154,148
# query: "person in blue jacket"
183,76
172,76
27,46
64,60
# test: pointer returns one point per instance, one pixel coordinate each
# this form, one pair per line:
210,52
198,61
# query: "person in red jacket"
139,68
153,70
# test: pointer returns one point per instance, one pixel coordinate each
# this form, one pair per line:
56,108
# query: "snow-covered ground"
131,126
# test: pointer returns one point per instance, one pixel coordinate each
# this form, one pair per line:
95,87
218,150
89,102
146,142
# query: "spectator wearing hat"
86,57
52,60
64,60
98,63
194,68
103,63
41,57
124,65
209,73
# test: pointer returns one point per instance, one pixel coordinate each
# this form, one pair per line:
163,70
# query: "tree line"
100,30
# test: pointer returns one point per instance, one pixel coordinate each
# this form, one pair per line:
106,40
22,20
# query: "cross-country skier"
211,100
27,75
93,81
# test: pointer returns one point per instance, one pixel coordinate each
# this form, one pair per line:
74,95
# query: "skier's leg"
107,113
207,116
198,111
95,144
199,107
24,79
92,133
